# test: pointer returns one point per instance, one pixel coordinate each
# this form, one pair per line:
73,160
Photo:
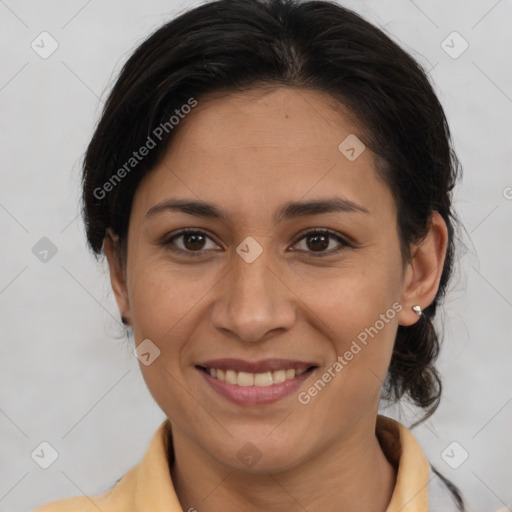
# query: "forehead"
263,147
277,117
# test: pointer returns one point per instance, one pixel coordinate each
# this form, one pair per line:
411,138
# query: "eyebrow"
290,210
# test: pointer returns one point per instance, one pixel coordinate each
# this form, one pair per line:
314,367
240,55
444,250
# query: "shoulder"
414,471
147,482
77,504
114,499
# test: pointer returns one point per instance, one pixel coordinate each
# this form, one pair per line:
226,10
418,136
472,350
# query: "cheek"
358,312
163,300
164,304
346,300
353,379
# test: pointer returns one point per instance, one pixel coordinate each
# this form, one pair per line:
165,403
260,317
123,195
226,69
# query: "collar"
397,442
413,470
148,486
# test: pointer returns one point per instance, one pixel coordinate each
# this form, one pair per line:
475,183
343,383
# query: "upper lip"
265,365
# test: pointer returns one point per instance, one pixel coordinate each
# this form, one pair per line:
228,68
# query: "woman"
271,184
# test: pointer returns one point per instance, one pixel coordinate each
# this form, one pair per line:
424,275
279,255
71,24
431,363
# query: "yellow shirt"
147,487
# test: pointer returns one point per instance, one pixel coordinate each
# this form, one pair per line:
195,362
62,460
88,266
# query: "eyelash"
316,231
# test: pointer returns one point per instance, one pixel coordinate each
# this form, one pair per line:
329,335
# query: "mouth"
248,383
261,379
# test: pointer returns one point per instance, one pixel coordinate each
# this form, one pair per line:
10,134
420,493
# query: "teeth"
231,376
290,374
245,379
263,379
279,376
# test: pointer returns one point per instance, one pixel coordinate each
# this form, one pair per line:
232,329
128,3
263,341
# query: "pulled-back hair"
230,46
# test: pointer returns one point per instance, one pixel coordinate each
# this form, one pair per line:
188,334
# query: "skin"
250,153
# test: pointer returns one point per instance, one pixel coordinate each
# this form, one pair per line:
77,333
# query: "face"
275,322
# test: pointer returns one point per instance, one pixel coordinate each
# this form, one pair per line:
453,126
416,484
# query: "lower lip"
255,395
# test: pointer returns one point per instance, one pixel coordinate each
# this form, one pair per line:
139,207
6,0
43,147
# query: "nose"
255,302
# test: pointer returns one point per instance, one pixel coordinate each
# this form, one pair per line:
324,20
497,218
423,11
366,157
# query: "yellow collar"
403,451
148,486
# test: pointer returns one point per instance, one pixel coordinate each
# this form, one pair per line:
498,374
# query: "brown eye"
318,241
191,242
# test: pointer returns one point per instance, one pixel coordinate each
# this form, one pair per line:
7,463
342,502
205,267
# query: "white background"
67,375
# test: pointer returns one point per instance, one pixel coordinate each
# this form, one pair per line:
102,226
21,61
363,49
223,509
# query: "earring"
124,320
417,310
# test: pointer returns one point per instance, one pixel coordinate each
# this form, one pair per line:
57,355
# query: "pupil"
197,241
319,241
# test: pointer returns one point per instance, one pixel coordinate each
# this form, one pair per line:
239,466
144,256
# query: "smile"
268,382
254,379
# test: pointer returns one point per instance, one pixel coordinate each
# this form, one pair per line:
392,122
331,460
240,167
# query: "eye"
192,241
318,240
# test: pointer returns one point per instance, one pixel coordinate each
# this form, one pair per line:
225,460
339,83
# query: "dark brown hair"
237,45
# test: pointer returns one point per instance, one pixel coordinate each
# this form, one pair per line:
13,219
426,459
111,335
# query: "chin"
259,455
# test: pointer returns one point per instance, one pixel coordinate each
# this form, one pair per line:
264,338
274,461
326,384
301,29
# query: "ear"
424,271
117,274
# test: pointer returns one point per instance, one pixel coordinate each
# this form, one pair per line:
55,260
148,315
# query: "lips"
255,383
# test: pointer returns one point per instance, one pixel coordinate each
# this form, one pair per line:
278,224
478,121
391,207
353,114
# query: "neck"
351,475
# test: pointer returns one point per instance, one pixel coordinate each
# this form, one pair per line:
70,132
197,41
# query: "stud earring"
417,310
